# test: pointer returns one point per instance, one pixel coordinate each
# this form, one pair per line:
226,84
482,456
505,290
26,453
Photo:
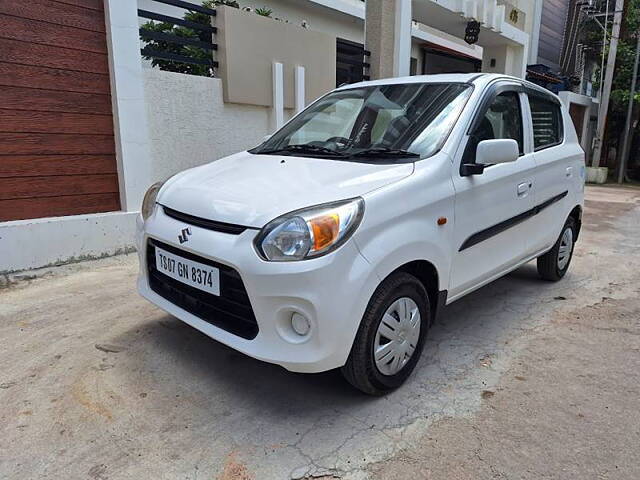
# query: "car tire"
400,295
553,265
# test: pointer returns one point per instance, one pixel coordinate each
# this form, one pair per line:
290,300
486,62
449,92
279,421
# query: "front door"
491,229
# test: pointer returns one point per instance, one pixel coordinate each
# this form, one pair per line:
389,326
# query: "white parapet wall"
43,242
190,125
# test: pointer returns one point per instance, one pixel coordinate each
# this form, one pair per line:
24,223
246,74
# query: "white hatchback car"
337,241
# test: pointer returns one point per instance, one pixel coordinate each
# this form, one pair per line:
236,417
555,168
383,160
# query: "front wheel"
554,264
391,335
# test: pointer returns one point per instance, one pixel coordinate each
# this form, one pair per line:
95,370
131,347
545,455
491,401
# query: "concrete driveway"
521,379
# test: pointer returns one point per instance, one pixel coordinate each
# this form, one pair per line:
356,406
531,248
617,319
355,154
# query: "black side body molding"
487,233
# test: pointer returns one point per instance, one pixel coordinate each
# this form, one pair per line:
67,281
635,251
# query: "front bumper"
332,292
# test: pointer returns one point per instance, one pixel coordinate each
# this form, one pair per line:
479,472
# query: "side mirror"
491,152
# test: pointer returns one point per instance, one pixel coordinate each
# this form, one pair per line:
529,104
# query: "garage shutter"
57,152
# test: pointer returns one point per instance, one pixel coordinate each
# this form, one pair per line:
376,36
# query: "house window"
547,122
350,62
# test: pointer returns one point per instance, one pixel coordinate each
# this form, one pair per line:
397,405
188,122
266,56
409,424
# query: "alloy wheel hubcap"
397,336
566,245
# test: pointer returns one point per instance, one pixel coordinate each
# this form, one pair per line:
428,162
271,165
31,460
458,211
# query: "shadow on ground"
219,370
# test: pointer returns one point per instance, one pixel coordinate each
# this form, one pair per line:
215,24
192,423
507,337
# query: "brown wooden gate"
57,153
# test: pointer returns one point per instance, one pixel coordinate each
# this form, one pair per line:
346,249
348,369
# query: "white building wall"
319,18
190,125
422,32
342,18
533,14
508,59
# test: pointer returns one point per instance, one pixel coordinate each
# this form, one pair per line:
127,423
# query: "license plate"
195,274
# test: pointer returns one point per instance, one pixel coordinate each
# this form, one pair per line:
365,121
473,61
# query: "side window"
547,122
503,120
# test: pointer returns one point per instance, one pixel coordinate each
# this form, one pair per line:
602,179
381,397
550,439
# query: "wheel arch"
427,273
576,214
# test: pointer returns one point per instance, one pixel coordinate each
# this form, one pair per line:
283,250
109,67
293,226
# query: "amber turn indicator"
442,220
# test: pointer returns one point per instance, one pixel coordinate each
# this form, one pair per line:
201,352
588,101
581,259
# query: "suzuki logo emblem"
184,235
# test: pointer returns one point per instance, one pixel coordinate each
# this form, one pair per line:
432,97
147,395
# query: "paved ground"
520,380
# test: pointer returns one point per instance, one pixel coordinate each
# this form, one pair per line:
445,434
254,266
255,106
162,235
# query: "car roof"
437,78
470,78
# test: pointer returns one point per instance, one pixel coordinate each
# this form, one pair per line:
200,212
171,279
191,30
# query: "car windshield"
382,122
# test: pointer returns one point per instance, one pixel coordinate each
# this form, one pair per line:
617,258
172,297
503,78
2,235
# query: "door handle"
569,172
523,188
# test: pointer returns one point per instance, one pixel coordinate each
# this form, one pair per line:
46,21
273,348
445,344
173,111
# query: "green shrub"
184,50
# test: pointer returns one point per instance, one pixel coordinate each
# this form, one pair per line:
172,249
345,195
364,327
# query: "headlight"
310,232
149,201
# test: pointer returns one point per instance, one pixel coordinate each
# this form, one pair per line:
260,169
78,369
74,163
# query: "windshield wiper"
303,148
384,152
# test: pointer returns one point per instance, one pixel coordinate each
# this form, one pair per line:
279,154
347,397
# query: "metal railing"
352,64
183,45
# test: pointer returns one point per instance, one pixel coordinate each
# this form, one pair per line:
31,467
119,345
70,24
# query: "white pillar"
127,97
278,95
402,39
388,37
299,90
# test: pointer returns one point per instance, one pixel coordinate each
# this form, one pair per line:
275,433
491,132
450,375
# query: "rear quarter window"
546,117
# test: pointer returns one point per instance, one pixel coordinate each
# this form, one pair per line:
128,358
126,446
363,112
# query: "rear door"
491,208
555,170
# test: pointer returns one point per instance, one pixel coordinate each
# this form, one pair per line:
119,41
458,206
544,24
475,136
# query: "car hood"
251,190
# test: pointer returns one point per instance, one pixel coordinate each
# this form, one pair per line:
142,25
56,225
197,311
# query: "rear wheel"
391,335
554,264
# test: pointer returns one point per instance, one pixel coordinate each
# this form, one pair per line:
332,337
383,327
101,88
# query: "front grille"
204,223
230,311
